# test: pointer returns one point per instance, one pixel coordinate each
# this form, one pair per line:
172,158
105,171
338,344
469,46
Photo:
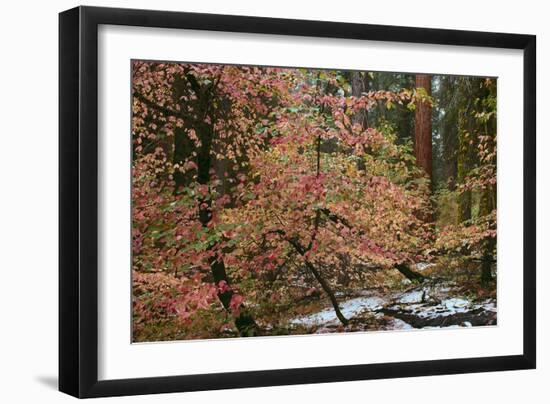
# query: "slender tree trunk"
326,287
244,321
324,284
449,131
487,204
463,167
450,169
183,146
423,141
423,127
360,85
489,244
302,251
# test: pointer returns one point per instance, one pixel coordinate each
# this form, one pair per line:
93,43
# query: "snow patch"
414,296
447,307
422,266
455,303
349,309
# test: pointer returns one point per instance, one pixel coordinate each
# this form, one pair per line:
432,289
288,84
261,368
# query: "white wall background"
28,199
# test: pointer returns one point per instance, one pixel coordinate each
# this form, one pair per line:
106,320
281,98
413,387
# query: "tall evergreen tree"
423,126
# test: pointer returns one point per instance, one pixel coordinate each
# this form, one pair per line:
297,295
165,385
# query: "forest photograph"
273,201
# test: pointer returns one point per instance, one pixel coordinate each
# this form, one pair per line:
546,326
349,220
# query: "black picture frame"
78,201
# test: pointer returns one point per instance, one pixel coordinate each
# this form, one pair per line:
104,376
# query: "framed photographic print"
250,201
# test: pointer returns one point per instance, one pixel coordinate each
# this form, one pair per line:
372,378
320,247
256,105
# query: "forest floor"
451,296
435,303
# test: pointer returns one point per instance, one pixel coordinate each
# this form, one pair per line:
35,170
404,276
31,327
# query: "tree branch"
160,108
401,267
